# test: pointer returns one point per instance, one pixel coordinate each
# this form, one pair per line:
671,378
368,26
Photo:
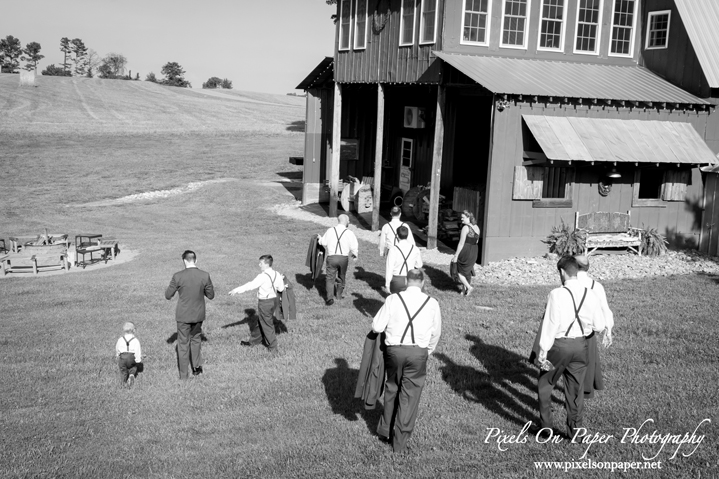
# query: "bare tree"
93,61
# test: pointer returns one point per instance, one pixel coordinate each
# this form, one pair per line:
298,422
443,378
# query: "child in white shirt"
128,353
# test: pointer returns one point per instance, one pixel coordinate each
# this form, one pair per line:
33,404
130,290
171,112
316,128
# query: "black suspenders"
411,318
404,258
128,342
338,240
396,238
576,311
592,285
272,282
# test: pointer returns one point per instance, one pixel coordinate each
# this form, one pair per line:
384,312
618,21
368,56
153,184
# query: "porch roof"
700,18
322,73
568,79
613,140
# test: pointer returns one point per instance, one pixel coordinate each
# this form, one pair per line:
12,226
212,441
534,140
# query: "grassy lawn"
250,415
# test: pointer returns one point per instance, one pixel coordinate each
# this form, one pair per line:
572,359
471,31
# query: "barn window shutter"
675,185
528,181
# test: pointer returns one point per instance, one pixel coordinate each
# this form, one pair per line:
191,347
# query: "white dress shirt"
388,235
395,265
347,243
392,320
264,283
122,347
598,289
559,315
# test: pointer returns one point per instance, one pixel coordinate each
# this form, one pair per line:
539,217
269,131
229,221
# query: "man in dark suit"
193,286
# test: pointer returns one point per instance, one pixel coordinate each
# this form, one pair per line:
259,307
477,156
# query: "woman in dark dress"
467,250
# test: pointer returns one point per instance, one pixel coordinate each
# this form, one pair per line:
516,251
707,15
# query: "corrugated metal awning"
603,139
568,79
322,73
701,19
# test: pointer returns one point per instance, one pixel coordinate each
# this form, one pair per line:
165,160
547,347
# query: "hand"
454,259
607,340
233,292
385,289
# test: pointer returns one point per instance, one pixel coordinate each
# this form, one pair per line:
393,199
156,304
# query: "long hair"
470,215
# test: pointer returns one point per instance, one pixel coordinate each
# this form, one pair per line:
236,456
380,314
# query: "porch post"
436,176
334,175
378,157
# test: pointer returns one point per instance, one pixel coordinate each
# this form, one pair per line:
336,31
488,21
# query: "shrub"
653,242
566,240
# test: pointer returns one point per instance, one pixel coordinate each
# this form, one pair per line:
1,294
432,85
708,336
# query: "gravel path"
543,269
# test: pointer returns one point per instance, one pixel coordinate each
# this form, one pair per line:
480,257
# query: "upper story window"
658,30
589,16
406,22
428,22
345,24
360,24
475,22
514,23
551,32
623,28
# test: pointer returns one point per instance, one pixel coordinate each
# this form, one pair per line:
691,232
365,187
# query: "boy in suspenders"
401,258
129,354
412,324
388,236
339,243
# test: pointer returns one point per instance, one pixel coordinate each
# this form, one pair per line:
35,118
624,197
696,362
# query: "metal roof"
604,139
568,79
322,73
701,19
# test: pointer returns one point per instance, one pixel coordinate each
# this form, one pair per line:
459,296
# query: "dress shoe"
330,302
197,371
246,343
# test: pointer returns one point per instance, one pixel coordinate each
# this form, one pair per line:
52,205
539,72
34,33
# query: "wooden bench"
35,256
19,242
609,230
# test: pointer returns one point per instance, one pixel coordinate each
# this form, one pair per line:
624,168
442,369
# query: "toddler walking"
128,353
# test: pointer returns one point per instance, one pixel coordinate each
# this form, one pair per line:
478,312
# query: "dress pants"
406,368
398,284
569,357
336,270
127,365
262,328
189,342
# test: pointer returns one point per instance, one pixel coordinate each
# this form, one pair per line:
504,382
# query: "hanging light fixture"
613,173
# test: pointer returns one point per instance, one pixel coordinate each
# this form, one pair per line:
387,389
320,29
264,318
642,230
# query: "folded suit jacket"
315,257
370,382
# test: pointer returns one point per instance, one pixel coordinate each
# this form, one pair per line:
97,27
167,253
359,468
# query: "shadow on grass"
712,277
249,314
440,279
252,319
373,280
498,389
173,338
297,125
340,383
291,175
367,306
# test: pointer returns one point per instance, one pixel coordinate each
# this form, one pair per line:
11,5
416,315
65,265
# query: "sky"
261,45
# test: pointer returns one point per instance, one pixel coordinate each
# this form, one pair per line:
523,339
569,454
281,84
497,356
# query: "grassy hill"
93,105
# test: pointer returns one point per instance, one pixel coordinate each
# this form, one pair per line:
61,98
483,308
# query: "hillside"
93,105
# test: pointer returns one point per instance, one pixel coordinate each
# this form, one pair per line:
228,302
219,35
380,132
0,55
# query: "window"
345,24
360,24
589,16
658,31
551,32
428,22
622,44
514,23
475,27
407,146
656,186
406,22
547,186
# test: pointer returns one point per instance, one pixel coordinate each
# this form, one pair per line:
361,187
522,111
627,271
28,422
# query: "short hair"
470,215
415,275
128,327
189,256
568,264
402,232
344,219
396,211
582,262
267,259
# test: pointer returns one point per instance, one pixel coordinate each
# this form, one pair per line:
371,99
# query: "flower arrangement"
565,240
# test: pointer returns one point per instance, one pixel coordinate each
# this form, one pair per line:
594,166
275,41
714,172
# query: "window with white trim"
360,24
551,31
407,152
658,30
428,22
345,24
475,22
588,26
514,23
406,22
622,43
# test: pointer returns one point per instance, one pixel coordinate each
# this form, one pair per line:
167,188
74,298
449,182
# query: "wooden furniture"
88,244
3,247
609,230
108,244
18,242
35,256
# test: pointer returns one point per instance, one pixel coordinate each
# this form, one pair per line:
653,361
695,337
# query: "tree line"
78,60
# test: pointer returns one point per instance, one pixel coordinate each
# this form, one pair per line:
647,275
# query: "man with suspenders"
400,259
339,243
388,236
412,324
594,379
268,283
571,311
